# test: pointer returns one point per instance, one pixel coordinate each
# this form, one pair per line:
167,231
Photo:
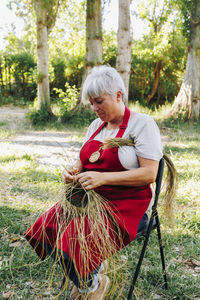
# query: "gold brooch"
95,155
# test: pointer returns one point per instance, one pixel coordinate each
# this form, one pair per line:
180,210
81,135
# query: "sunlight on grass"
159,114
5,133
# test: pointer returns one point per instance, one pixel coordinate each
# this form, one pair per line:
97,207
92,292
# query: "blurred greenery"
164,44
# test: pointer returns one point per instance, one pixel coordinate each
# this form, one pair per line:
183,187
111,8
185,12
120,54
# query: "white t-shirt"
145,133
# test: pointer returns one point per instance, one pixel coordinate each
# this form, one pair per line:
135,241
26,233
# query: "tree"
187,102
123,63
93,34
94,38
46,12
157,14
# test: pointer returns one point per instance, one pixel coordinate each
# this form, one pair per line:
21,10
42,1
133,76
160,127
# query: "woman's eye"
99,101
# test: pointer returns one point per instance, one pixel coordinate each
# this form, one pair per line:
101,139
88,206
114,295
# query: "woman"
122,175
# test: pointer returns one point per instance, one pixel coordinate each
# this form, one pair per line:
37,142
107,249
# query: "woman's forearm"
136,177
145,174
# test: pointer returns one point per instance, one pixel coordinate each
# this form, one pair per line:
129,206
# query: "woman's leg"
68,267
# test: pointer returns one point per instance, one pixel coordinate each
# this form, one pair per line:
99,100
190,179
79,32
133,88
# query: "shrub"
68,98
81,117
39,117
76,117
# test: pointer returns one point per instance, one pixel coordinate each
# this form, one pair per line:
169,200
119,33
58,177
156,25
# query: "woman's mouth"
100,114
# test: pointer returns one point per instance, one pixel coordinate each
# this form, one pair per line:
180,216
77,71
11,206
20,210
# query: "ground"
31,162
50,148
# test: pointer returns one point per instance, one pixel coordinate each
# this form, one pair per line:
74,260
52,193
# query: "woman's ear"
119,95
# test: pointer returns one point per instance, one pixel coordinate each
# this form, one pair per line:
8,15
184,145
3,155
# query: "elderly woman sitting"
121,175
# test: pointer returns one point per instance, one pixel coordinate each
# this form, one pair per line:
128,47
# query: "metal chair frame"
154,216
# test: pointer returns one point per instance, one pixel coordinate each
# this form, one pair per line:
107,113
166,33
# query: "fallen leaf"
16,244
191,262
15,239
8,286
196,262
8,295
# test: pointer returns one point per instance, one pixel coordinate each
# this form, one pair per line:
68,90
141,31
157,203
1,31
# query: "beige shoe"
99,294
103,267
74,293
102,270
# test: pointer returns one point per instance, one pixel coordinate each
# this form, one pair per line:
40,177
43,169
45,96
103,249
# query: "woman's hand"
90,179
69,174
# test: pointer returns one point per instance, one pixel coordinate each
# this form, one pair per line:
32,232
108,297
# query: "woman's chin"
102,117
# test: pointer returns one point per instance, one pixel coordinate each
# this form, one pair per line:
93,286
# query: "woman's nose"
95,107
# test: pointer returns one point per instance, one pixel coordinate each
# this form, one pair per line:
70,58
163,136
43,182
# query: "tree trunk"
123,63
93,39
187,102
93,34
156,81
42,57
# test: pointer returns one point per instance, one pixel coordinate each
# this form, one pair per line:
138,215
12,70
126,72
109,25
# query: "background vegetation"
164,44
27,187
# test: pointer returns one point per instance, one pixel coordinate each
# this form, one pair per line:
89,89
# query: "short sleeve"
91,129
148,141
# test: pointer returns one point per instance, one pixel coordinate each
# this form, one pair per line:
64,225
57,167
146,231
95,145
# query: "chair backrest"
159,180
154,217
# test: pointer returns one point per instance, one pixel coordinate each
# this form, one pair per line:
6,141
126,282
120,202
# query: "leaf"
196,262
15,244
191,262
15,239
8,295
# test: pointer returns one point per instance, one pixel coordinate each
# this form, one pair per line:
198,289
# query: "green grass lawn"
27,189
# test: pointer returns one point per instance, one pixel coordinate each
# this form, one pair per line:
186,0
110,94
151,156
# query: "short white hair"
102,80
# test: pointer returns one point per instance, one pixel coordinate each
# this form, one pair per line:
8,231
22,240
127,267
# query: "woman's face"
107,107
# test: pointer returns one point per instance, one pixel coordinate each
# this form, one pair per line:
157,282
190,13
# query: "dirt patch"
48,147
14,118
51,148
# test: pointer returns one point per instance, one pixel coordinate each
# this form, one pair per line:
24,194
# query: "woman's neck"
118,119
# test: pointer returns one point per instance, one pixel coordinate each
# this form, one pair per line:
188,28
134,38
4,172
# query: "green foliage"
109,48
144,59
1,98
164,43
186,7
59,77
17,72
79,118
39,117
40,77
68,98
76,117
163,46
18,101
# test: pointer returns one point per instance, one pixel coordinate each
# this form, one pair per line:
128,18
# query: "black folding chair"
154,222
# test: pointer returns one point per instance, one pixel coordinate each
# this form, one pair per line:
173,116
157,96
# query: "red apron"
128,205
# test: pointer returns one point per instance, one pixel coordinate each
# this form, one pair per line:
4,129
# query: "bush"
68,98
40,117
1,98
76,117
69,114
82,117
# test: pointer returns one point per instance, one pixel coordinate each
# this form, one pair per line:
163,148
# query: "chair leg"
140,259
161,251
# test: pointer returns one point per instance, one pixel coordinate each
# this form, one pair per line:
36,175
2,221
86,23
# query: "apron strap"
97,131
122,127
